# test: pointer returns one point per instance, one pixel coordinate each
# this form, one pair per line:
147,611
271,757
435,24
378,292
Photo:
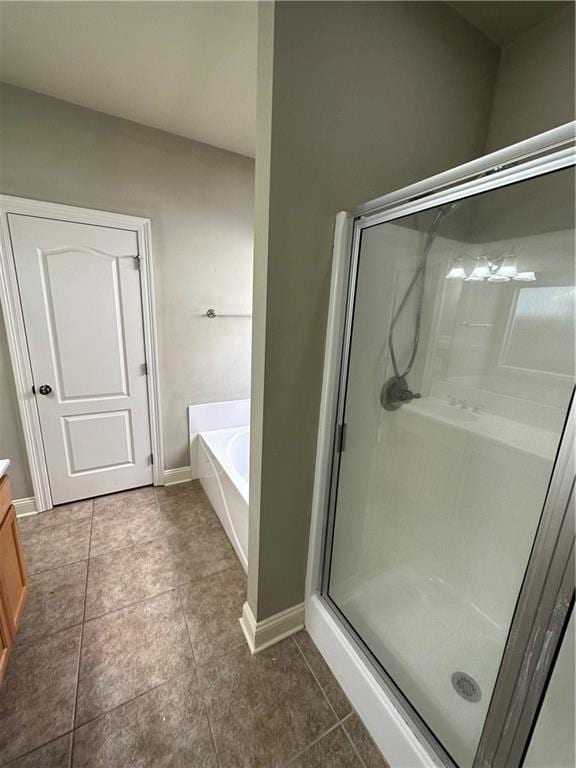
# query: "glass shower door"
460,373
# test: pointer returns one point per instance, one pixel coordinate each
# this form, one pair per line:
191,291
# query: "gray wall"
365,98
535,91
261,213
201,203
535,88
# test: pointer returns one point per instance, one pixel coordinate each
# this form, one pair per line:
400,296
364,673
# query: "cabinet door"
5,639
13,577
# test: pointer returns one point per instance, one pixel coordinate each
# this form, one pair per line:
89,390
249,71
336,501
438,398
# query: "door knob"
45,389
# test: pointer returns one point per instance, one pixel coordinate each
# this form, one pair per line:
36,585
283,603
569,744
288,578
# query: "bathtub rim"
211,439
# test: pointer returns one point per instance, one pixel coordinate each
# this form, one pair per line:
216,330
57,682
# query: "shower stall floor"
423,632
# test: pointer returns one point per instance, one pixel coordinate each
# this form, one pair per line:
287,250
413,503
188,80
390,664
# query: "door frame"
16,330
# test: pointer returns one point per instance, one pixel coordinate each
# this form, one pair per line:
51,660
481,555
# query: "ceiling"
502,22
185,67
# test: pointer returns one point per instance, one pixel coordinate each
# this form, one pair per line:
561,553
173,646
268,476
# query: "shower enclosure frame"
547,591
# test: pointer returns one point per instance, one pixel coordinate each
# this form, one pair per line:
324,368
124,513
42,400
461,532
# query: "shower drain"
466,686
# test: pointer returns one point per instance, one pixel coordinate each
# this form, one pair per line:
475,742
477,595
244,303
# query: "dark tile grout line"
315,741
106,712
351,740
41,638
75,709
70,751
184,583
55,567
93,719
136,602
339,721
36,749
164,534
201,685
64,629
52,526
175,588
197,665
160,535
85,621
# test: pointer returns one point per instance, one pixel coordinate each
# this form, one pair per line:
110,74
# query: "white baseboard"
174,476
25,507
263,634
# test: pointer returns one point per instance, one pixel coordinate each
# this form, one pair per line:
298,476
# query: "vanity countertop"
4,464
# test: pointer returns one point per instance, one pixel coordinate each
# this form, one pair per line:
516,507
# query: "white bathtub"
223,466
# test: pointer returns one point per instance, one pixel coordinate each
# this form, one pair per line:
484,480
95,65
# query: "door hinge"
341,438
151,458
136,261
145,369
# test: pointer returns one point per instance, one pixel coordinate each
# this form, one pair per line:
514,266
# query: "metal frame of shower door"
544,599
541,613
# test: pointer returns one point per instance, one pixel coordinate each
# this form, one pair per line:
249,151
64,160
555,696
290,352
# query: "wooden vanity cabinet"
13,576
5,640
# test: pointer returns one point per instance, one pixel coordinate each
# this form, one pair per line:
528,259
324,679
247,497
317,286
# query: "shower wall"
381,281
432,460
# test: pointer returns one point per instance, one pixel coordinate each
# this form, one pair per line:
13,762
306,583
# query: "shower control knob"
45,389
407,396
396,392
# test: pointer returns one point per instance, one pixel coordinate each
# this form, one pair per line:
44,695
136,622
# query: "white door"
80,292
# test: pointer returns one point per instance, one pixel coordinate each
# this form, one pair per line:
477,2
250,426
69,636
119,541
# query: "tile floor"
130,652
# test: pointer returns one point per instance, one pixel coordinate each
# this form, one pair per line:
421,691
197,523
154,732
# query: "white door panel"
80,292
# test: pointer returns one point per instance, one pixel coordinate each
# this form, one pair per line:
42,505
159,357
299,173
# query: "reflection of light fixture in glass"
508,267
500,268
525,277
456,271
480,272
